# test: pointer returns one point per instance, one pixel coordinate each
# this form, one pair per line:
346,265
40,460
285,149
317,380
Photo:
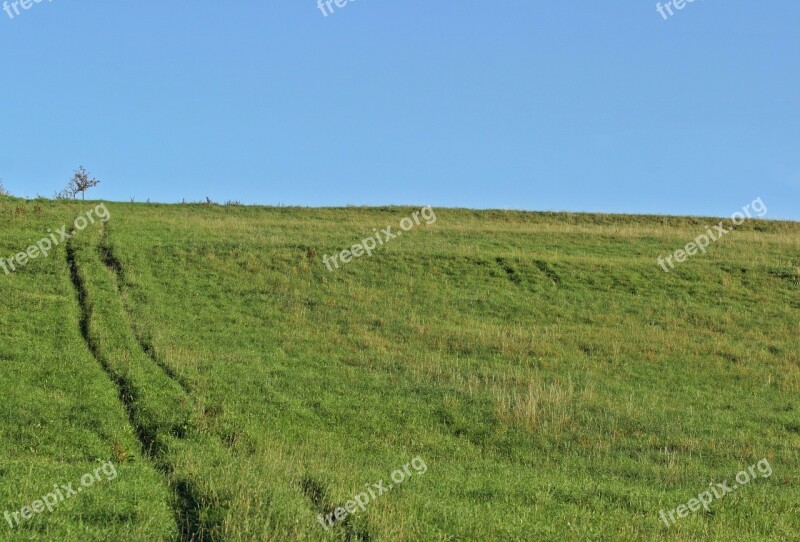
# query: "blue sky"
579,105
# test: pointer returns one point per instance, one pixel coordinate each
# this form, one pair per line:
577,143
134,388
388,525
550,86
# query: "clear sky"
516,104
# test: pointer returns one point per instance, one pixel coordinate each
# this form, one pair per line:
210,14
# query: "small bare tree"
3,191
81,182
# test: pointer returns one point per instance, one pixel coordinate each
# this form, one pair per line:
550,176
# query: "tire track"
188,509
114,265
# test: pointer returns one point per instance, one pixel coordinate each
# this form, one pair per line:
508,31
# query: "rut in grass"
110,260
315,492
127,394
188,508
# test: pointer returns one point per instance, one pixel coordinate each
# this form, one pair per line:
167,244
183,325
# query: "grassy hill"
531,376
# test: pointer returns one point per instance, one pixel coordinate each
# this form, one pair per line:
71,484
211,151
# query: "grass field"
538,375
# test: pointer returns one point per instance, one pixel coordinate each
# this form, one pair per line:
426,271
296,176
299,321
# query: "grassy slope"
556,381
59,415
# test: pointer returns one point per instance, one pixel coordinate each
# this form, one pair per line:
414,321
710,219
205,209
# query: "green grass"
556,382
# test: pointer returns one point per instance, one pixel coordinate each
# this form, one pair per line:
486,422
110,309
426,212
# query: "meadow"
555,381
